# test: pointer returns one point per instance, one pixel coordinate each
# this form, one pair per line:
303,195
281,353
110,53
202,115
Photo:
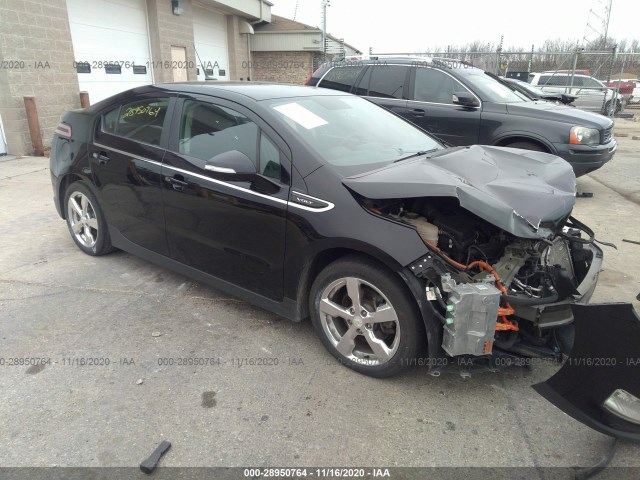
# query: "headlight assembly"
584,136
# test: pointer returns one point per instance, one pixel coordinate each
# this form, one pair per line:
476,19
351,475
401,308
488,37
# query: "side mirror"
465,99
232,164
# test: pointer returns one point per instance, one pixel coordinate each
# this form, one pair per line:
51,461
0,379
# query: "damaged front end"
507,272
493,292
505,260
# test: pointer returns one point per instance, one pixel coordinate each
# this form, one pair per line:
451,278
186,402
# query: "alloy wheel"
359,321
82,219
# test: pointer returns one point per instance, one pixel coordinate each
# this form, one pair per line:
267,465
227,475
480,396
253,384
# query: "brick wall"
282,67
36,33
167,30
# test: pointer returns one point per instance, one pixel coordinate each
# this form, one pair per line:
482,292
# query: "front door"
230,227
430,106
125,162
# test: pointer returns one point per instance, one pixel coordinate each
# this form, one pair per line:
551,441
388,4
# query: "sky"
414,25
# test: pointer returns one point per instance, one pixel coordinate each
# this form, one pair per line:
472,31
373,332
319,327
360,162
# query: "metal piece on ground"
631,241
149,465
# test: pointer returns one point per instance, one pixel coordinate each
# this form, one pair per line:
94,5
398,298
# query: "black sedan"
314,203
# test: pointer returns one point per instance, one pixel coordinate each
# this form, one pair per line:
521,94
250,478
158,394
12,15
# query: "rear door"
231,228
387,86
591,94
126,156
430,106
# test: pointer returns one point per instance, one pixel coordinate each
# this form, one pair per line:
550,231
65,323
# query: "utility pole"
325,4
530,60
605,22
498,52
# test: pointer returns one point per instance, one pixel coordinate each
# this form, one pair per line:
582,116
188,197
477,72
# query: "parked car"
463,105
624,87
635,94
534,93
593,95
314,203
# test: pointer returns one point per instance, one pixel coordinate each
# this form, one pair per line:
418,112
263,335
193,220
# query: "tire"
608,108
526,146
357,339
85,220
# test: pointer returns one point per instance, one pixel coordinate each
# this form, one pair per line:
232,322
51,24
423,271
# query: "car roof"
397,59
254,90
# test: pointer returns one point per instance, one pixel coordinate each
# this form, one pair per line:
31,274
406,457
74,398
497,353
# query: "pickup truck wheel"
365,317
526,146
85,220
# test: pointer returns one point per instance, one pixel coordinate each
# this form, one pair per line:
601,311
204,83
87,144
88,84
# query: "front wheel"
526,146
609,108
85,220
365,317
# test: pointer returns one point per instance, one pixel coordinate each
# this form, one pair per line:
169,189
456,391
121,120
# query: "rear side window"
341,78
141,120
435,87
387,81
207,130
554,80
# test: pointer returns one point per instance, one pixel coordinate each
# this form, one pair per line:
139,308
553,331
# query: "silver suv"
593,95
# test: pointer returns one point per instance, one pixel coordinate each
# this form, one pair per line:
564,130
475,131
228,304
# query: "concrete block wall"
282,67
239,55
167,30
37,55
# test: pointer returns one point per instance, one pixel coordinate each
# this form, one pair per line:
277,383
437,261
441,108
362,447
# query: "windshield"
349,131
490,89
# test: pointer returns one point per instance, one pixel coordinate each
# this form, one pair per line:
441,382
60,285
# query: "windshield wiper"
417,154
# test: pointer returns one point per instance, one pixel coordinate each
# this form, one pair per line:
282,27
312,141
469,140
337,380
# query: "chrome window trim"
226,184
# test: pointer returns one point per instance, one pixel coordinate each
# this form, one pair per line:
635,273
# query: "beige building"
287,51
52,50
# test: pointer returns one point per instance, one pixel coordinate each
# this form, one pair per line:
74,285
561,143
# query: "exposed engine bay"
493,291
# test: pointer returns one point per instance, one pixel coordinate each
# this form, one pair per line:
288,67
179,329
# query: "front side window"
141,120
590,82
269,159
488,88
207,130
435,86
341,78
387,81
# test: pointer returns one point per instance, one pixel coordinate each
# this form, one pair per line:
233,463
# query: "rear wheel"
365,317
85,220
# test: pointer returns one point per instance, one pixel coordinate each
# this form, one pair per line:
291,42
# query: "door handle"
177,182
417,112
102,157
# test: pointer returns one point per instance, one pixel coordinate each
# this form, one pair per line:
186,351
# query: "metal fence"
599,80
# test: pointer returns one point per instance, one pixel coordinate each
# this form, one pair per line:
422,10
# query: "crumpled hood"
515,190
